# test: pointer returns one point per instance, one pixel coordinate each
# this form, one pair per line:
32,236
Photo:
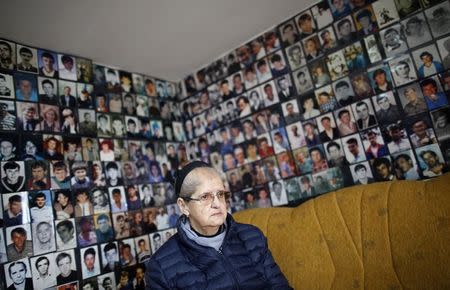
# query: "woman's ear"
184,209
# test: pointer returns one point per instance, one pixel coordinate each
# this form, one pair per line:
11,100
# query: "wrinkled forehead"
206,178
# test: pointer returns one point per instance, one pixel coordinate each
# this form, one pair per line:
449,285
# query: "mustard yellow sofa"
390,235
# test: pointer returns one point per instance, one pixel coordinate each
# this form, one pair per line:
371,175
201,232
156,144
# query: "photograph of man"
327,128
127,253
47,64
6,85
394,41
87,123
291,112
47,91
307,189
67,68
319,163
427,61
365,115
346,30
26,59
26,88
52,147
296,135
433,96
62,204
402,70
67,268
295,56
8,148
340,8
86,230
19,244
80,178
90,265
280,142
43,272
353,148
431,161
60,178
439,18
345,121
14,176
110,258
15,212
65,234
335,154
361,173
43,237
311,47
107,282
406,166
444,48
399,140
278,64
361,85
421,133
441,119
117,197
303,81
278,193
386,109
100,200
41,209
320,73
19,275
84,96
289,34
306,24
121,225
327,102
416,30
7,54
365,21
83,205
344,92
285,88
339,63
37,175
84,70
104,229
380,79
383,169
66,91
374,144
113,175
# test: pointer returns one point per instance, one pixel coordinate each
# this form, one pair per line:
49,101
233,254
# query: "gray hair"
195,178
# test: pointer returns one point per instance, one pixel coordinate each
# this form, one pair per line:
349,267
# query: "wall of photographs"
345,92
87,155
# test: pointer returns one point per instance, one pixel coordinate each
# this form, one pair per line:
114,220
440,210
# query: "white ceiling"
162,38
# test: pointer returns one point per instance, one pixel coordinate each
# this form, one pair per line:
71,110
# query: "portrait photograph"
405,8
27,59
18,275
296,135
19,242
99,78
112,80
126,82
303,81
355,57
278,64
322,14
402,70
15,209
344,92
373,48
51,119
295,56
383,169
361,85
117,199
106,281
416,30
8,57
319,72
138,83
441,119
362,173
325,98
353,148
37,172
235,181
345,30
386,108
431,160
9,147
385,12
85,231
427,61
90,262
439,18
67,67
340,8
365,21
337,65
327,127
143,248
433,93
305,24
278,193
321,182
327,38
405,166
7,115
420,130
412,99
286,164
380,79
67,92
374,143
26,87
6,85
444,48
345,120
67,267
43,269
40,207
312,48
271,41
48,63
48,91
85,98
43,236
84,70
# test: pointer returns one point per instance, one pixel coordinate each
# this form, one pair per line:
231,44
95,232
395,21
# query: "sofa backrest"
390,235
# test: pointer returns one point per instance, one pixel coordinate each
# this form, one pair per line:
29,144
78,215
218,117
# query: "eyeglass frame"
212,195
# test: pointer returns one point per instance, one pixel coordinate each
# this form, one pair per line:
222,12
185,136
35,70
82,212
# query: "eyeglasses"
208,197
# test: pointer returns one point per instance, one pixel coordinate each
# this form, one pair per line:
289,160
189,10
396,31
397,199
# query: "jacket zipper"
229,268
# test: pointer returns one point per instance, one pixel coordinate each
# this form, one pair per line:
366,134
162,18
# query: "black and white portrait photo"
402,70
65,234
43,237
7,115
90,262
439,18
27,59
7,55
18,275
6,85
18,242
66,267
67,67
393,40
416,30
43,269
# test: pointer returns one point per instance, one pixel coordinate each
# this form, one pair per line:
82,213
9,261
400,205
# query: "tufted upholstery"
390,235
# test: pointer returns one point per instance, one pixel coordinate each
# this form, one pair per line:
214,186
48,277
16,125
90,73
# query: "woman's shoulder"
249,233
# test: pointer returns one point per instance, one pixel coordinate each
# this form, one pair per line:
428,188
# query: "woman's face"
206,218
50,116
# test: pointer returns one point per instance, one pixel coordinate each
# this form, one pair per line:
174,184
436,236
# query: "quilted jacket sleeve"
272,271
154,276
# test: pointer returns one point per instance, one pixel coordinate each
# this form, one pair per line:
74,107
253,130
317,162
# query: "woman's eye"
204,197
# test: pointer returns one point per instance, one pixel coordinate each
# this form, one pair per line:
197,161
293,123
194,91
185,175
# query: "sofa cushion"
389,235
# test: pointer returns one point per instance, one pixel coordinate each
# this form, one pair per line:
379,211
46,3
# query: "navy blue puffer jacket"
244,262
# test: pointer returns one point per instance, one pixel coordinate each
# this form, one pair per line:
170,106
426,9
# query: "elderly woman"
210,249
